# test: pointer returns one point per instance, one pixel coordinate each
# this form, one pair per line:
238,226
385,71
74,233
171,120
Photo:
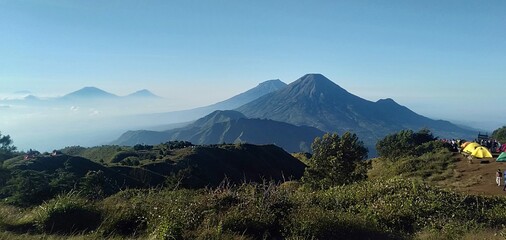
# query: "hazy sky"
443,59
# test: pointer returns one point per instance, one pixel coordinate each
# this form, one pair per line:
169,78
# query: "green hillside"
402,194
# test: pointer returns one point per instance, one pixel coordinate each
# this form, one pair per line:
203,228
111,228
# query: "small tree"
28,187
407,143
6,147
500,134
336,161
95,185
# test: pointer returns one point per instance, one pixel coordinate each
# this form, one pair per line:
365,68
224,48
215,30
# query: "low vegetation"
499,134
341,196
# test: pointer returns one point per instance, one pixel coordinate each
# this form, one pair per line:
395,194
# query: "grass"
431,167
381,209
102,154
400,200
67,213
16,219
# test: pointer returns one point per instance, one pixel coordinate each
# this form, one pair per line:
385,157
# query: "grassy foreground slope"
406,197
382,209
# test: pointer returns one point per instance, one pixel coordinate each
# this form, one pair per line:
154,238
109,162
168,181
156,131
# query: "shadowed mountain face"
313,100
231,127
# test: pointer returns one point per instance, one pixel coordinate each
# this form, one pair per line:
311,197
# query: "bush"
312,222
28,187
431,166
122,156
336,161
67,214
406,143
126,213
500,134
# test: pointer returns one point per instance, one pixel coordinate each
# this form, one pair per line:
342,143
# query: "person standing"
504,188
498,176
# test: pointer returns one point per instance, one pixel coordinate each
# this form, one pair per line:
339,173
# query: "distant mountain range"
229,104
87,94
314,100
311,105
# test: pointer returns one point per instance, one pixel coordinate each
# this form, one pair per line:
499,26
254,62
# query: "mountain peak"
143,93
262,89
316,85
31,97
386,101
274,82
218,116
90,92
314,77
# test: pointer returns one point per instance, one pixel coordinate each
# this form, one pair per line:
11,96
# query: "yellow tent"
464,145
481,152
470,147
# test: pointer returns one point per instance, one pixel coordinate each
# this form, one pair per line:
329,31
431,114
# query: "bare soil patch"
476,177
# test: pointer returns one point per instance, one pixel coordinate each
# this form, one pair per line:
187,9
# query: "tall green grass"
381,209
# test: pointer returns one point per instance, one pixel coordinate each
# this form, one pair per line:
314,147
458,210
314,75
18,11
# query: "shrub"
172,214
432,166
500,134
406,143
126,213
67,214
28,187
313,222
336,161
118,157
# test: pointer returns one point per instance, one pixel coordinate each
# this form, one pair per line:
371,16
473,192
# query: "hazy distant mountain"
231,127
89,93
250,95
144,93
313,100
31,98
231,103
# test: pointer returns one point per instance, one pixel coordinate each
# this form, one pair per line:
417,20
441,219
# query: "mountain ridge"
240,99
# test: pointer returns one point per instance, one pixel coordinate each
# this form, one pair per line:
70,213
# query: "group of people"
498,178
492,144
454,144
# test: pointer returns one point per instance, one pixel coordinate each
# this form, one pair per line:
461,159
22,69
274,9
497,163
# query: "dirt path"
476,177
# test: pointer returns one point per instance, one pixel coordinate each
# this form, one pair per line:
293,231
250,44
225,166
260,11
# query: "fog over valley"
48,123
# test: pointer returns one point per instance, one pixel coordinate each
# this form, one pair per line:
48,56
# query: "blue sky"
426,55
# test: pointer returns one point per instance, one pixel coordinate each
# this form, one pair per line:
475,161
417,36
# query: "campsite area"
476,176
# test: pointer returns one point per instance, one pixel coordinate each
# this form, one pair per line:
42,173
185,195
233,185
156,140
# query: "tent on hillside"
464,145
503,148
481,152
470,147
501,158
